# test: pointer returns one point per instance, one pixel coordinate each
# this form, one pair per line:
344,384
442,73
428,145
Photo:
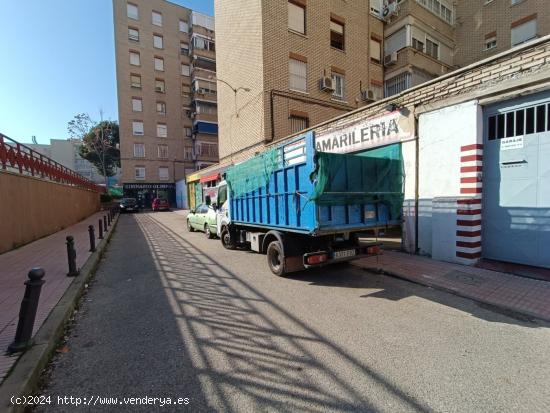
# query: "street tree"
100,142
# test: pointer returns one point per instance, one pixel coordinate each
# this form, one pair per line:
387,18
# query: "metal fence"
18,158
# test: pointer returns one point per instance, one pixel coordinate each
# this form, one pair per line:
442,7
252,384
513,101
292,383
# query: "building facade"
167,99
286,65
67,153
424,39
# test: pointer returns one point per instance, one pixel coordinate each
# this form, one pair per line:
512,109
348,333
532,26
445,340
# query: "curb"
25,374
379,270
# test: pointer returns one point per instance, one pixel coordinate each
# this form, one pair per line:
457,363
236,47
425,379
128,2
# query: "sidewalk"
521,295
50,253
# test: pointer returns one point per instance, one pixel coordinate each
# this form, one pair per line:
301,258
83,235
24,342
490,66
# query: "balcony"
409,56
206,117
207,97
202,73
209,54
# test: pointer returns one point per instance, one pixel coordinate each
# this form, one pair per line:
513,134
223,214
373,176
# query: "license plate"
344,254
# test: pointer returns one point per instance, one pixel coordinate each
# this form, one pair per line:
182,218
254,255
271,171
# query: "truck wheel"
207,231
275,258
225,237
190,227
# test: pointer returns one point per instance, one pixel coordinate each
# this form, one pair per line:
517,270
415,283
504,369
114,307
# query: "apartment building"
284,65
424,39
488,27
67,153
166,71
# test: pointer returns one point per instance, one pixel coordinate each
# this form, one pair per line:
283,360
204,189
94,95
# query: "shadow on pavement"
248,352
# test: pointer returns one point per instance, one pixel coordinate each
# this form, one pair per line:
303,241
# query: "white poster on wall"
367,133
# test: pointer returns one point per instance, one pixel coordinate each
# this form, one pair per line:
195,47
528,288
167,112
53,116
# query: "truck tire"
190,227
227,242
276,258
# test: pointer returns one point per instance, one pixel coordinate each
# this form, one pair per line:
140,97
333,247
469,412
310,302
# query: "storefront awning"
209,178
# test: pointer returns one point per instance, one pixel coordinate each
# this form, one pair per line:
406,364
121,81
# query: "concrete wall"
442,135
32,208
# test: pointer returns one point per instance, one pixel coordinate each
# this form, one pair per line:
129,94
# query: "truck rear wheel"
276,258
225,237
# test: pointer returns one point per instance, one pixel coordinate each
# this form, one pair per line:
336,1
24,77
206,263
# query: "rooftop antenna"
34,140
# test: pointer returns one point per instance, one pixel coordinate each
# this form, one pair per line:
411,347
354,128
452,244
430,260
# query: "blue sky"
58,60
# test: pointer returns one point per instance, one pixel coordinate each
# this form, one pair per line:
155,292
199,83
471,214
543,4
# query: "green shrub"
106,198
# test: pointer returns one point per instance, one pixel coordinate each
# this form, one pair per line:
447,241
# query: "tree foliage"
100,141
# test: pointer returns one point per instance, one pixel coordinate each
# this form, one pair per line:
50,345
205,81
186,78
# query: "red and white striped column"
468,214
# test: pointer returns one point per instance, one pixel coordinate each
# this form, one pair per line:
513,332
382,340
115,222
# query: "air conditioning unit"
326,84
389,11
390,59
368,95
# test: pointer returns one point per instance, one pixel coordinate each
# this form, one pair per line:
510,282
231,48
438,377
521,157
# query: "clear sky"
58,60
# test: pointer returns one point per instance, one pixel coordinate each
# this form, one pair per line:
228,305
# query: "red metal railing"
18,158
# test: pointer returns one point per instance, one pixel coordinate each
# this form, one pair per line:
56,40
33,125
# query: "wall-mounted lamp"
392,107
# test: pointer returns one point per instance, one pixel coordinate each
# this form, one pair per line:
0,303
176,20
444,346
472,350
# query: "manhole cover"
465,278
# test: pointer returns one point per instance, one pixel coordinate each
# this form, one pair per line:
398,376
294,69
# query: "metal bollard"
109,219
91,232
71,256
27,311
105,223
100,229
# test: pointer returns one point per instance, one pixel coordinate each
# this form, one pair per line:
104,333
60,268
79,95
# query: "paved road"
172,314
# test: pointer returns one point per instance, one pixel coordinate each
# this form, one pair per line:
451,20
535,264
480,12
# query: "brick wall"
478,19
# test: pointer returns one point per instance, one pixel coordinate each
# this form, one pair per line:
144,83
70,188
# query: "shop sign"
515,142
148,186
367,133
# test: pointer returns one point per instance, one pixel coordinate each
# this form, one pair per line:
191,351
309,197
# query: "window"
375,50
134,59
296,17
185,70
158,41
207,149
188,132
162,131
442,9
188,153
298,75
524,32
491,43
298,123
140,173
207,108
139,150
432,48
338,84
133,34
159,86
418,45
162,151
204,87
336,34
156,18
159,64
135,81
137,127
163,173
184,48
132,11
137,105
397,84
161,108
184,26
204,43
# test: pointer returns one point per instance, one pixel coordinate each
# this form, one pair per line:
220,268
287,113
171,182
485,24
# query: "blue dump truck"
304,208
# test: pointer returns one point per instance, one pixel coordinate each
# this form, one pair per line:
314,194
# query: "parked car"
202,218
160,204
128,205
